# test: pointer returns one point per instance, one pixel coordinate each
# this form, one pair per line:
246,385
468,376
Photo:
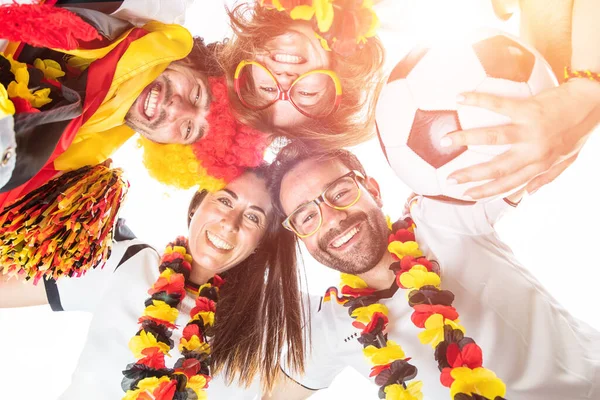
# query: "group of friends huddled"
432,306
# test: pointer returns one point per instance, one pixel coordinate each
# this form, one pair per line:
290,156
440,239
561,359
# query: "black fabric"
53,295
37,135
108,26
132,251
122,231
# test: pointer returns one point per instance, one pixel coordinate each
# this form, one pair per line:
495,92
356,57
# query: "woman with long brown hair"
288,78
216,309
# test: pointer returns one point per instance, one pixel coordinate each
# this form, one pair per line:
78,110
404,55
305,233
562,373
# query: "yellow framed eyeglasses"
315,94
341,194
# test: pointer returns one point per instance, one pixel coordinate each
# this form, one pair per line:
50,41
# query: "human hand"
547,132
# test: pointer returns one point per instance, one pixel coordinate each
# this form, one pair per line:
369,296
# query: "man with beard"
156,80
535,348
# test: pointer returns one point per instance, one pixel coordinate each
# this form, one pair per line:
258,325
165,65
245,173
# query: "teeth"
288,58
218,242
344,239
150,105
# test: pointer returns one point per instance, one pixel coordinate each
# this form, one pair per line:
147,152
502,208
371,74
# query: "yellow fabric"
145,59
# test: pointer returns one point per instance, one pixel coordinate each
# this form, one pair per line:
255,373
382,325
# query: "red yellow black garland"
459,358
148,378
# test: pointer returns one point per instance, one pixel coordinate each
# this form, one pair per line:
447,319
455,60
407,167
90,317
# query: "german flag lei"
459,358
148,378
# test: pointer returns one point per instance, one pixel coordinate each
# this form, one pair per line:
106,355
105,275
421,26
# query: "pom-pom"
42,25
63,228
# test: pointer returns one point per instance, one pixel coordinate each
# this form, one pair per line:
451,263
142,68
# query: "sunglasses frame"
285,94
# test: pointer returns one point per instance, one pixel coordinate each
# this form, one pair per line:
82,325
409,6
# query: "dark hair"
203,58
259,311
359,73
297,152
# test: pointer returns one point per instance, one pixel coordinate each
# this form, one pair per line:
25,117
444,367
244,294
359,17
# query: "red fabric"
23,106
402,235
376,370
42,25
424,311
203,304
165,391
374,320
100,76
154,358
190,331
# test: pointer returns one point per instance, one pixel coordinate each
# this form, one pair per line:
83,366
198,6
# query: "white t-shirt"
528,340
116,298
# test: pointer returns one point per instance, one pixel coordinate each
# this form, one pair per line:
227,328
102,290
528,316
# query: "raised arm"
18,293
548,129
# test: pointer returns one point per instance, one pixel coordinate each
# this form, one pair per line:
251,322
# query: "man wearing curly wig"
155,80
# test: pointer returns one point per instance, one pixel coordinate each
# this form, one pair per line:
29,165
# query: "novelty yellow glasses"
341,194
316,94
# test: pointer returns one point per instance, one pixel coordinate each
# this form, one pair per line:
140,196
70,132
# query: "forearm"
18,293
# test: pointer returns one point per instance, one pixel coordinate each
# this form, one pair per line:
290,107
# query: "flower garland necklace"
148,378
459,358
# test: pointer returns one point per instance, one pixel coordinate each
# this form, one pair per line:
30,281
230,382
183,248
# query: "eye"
308,218
198,92
268,89
307,94
225,201
189,128
340,194
253,217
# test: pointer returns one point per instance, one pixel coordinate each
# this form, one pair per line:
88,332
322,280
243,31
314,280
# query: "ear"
373,188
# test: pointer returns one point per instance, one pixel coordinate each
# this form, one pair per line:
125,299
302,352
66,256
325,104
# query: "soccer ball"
417,106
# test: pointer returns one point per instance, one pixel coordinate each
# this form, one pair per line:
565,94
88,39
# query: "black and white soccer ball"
417,106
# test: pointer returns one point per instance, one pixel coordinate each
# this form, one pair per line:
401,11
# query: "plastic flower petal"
152,382
397,392
324,14
364,314
194,344
145,340
434,329
353,281
161,310
6,106
384,355
479,381
417,277
303,12
50,68
400,249
197,383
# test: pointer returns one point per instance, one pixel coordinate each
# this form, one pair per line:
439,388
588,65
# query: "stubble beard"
359,259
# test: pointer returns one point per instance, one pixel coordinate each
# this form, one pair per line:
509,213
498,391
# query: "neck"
380,277
199,275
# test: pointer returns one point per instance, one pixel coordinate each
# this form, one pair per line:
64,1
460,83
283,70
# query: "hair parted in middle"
295,153
360,75
259,312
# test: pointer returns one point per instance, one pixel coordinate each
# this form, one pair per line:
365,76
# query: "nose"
285,78
331,216
178,108
231,221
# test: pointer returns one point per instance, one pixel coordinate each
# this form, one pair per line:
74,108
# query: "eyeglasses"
341,194
316,94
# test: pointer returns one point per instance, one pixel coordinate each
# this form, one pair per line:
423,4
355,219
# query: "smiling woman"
232,288
283,81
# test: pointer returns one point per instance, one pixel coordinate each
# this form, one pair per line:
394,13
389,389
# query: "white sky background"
554,233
